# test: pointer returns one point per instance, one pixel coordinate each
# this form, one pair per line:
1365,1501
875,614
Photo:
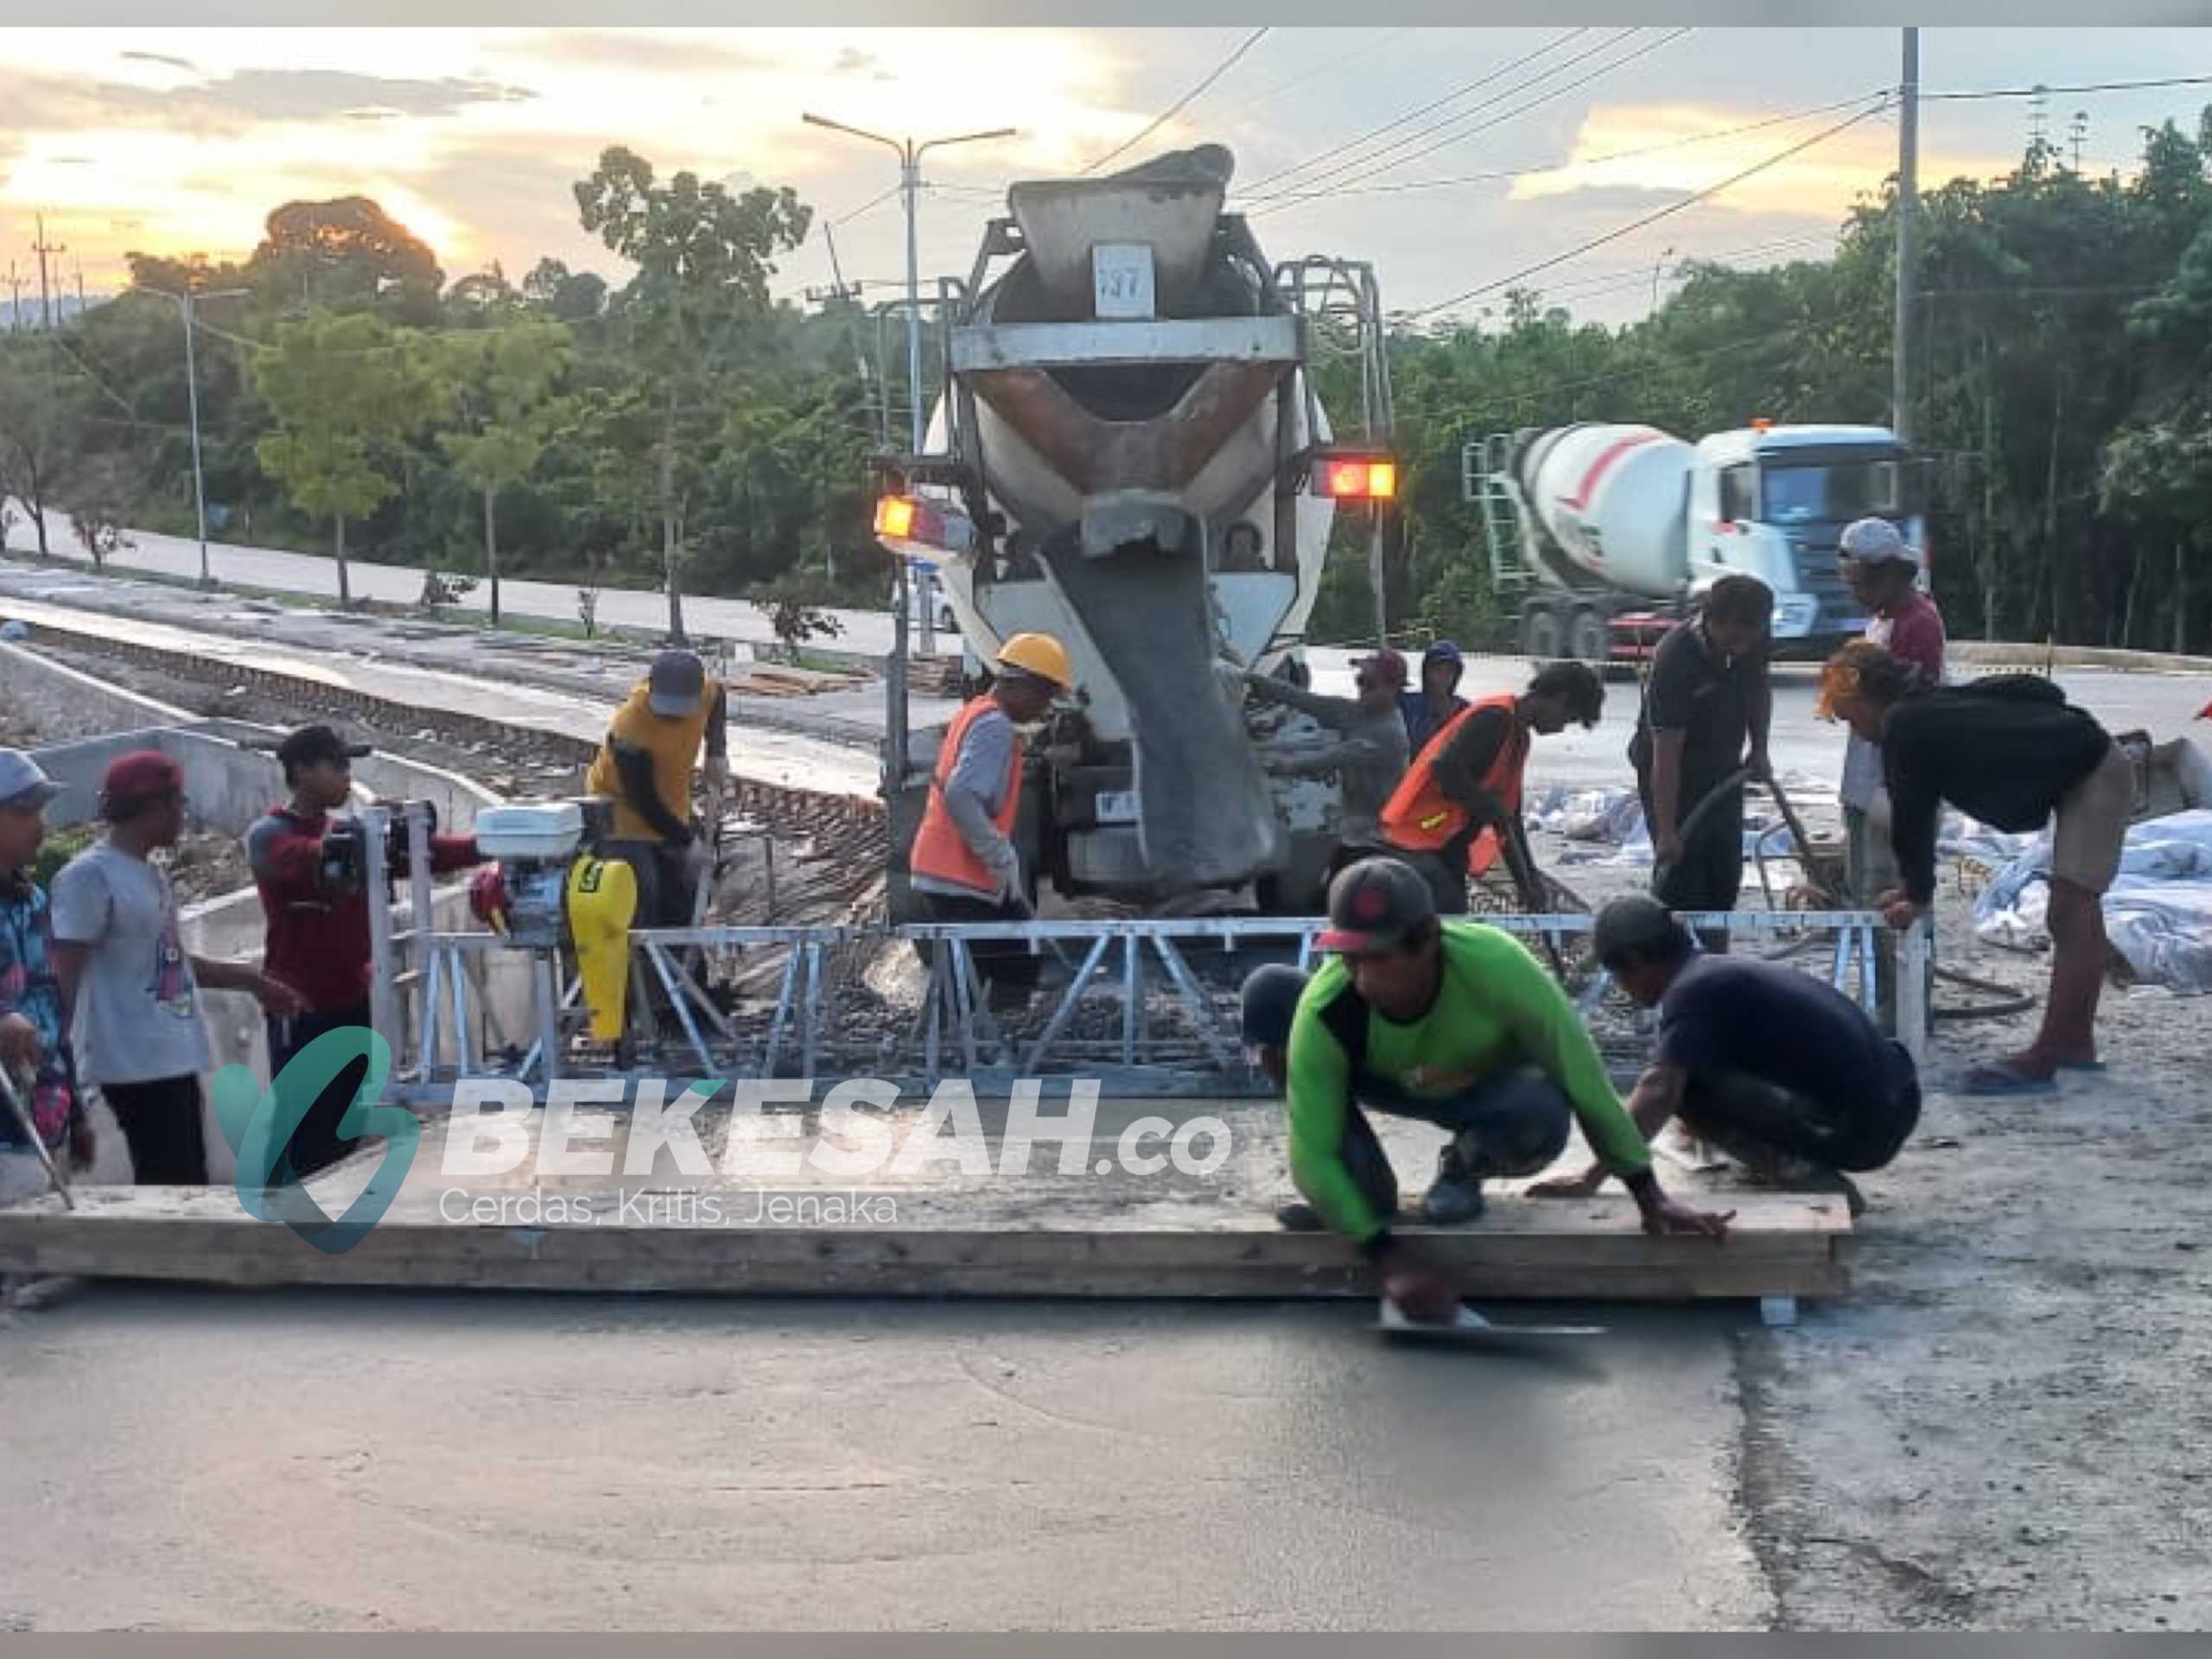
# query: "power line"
1329,64
2088,86
1653,218
1468,132
1184,102
1535,168
1456,94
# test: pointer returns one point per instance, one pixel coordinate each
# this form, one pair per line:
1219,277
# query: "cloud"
185,64
316,94
854,61
616,51
237,103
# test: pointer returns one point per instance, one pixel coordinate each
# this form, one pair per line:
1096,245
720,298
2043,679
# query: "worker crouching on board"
1780,1070
1459,802
647,765
2010,751
310,869
963,863
1450,1023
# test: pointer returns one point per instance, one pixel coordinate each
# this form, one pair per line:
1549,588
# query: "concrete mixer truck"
1130,455
1603,534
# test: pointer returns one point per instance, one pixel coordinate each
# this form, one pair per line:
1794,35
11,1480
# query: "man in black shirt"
1774,1065
2010,751
1707,694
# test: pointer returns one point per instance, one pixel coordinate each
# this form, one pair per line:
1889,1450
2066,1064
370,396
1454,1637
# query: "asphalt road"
274,571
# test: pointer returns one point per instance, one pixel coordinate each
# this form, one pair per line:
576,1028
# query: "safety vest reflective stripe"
940,851
1420,817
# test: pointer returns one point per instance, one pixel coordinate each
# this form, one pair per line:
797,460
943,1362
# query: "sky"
1384,144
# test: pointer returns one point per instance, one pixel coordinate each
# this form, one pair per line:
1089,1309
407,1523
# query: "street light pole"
184,301
909,155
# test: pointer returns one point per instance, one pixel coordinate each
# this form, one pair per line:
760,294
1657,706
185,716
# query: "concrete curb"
2000,654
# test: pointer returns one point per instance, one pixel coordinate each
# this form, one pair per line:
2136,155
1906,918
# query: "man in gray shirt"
120,959
1369,755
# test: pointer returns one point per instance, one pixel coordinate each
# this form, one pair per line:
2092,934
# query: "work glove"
1003,864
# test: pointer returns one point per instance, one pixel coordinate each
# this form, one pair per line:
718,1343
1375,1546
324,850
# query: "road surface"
296,1460
314,574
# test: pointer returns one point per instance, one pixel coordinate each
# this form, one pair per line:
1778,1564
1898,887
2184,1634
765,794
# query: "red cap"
2205,713
1387,663
141,773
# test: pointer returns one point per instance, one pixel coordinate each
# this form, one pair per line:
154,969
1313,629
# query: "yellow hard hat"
1038,654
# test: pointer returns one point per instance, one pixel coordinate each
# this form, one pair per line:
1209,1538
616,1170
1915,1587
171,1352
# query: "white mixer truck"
1605,533
1130,456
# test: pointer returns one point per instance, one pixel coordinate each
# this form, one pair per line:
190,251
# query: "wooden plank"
1584,1250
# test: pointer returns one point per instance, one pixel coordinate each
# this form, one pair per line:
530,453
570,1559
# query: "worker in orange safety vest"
963,863
1459,802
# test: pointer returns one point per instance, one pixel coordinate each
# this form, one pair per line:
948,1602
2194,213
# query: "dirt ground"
2002,1428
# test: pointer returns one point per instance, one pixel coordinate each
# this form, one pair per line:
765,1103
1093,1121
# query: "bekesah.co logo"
259,1124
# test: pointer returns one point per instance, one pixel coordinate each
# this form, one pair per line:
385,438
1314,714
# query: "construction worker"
1777,1068
1369,755
1451,1023
1460,800
132,991
646,765
33,1033
963,863
1427,710
1883,574
2010,751
315,892
1707,695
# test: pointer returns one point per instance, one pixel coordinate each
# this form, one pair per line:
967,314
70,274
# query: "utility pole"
1655,265
81,290
1908,239
43,247
909,155
184,304
15,280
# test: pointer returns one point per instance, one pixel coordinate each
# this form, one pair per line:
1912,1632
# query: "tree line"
687,431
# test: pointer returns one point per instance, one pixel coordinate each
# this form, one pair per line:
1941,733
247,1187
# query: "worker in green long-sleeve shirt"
1453,1023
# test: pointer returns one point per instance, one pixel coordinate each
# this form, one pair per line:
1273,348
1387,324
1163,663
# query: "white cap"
22,783
1876,541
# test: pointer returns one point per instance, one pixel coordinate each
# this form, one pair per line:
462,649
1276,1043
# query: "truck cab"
1772,502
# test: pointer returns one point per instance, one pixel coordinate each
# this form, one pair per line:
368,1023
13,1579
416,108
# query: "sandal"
2002,1077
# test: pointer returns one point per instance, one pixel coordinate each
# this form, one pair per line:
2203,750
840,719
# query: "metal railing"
1141,1007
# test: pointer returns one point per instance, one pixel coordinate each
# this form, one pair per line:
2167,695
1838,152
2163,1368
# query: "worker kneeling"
1778,1068
1453,1023
963,862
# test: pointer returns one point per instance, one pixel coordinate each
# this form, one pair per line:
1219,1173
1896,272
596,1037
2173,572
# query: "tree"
43,428
498,384
345,394
703,259
564,295
347,253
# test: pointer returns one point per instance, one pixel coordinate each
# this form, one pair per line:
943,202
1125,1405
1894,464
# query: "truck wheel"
1540,634
1587,639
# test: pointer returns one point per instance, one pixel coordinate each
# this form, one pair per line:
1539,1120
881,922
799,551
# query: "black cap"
1374,905
678,682
1640,926
1270,1004
311,744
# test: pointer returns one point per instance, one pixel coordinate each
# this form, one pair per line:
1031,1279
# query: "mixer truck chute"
1130,427
1604,534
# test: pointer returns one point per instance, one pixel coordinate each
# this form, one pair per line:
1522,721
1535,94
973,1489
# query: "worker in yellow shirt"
646,766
